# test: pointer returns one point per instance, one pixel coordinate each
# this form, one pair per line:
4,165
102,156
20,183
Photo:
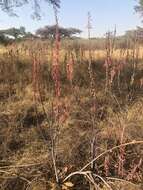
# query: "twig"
101,178
76,173
110,150
93,181
122,180
81,172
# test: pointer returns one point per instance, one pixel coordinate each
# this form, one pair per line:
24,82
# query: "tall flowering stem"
35,77
108,61
57,83
92,89
55,66
93,96
109,65
70,68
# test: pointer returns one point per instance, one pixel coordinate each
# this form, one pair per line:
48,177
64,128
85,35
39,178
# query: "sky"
73,13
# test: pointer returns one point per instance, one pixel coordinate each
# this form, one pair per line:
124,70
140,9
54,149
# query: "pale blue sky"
73,13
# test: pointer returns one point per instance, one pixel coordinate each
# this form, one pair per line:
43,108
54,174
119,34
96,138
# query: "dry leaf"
68,184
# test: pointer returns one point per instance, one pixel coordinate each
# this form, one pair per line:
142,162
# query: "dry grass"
26,125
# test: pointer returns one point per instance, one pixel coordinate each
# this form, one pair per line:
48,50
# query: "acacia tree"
10,5
49,32
139,7
14,32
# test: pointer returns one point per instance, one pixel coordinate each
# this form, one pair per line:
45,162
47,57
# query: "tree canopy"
10,5
49,32
139,7
136,34
14,32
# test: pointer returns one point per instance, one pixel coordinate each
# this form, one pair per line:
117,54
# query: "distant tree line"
13,34
47,32
71,36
